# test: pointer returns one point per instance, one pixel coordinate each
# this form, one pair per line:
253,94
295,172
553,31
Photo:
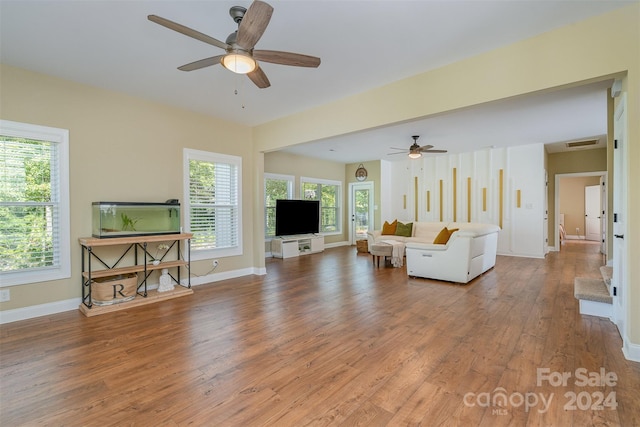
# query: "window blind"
213,205
29,204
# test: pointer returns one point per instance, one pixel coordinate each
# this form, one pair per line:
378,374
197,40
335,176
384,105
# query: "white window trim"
206,156
275,176
290,178
61,137
339,200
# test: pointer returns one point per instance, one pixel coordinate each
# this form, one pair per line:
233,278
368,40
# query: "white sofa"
469,252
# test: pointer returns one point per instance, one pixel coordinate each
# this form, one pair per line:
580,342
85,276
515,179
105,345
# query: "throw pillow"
404,230
389,229
442,238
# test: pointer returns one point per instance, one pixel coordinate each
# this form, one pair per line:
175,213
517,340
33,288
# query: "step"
586,288
594,297
607,274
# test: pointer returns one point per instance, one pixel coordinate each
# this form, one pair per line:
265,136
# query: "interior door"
619,279
545,229
361,210
592,212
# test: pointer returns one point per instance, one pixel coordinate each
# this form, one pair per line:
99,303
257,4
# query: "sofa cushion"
427,231
404,230
473,229
389,229
394,238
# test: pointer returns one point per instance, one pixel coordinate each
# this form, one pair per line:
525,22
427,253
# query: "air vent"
579,144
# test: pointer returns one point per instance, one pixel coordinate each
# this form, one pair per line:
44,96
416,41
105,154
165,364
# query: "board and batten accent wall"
471,186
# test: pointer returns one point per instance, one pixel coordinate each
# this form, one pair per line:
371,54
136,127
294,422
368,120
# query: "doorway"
575,220
360,210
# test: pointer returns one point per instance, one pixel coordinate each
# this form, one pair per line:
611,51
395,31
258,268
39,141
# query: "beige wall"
299,166
596,49
121,148
568,163
571,202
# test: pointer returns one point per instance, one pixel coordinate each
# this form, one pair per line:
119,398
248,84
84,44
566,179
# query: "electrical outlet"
577,230
215,263
5,295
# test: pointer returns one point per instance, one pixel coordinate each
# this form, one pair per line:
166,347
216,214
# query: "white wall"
523,169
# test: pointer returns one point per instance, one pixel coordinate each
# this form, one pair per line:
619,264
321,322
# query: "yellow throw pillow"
389,229
442,238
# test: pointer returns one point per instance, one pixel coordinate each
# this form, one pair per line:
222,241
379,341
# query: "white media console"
293,246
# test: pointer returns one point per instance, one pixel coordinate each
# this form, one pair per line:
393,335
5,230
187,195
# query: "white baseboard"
521,255
224,275
630,350
336,244
24,313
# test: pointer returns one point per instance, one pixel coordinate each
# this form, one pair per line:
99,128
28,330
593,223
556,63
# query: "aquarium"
123,219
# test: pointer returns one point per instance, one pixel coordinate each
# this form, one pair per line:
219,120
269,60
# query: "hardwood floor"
328,339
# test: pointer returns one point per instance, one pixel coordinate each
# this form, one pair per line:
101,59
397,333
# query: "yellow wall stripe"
468,199
455,195
501,197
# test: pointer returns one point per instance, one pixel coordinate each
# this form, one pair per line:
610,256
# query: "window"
213,211
329,194
34,204
275,187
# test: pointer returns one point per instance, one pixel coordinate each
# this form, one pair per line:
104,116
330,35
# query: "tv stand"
293,246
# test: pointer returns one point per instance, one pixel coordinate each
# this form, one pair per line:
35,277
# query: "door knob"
619,236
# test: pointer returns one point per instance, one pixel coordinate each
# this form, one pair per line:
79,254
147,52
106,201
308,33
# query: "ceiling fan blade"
425,148
259,78
196,65
253,24
187,31
391,154
394,148
286,58
434,151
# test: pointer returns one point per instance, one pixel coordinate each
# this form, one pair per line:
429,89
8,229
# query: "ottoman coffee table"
378,250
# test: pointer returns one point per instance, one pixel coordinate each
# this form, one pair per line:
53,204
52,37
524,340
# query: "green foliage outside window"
274,189
26,209
328,196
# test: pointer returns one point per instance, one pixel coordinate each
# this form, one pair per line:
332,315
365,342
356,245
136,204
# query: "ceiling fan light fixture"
415,154
239,63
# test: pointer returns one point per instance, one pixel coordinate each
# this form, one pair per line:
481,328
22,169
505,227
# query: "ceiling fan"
415,151
240,57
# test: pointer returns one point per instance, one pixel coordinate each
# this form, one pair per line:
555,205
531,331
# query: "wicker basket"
114,289
362,246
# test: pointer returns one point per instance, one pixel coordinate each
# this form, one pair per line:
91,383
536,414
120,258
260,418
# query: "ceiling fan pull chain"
236,92
241,80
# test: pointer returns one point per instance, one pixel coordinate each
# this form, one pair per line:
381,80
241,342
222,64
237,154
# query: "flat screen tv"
297,217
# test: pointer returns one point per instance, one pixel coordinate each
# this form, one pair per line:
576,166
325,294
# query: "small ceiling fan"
415,151
240,57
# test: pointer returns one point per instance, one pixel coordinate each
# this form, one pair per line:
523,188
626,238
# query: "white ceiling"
362,44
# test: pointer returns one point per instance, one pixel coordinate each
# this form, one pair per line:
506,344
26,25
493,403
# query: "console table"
293,246
131,255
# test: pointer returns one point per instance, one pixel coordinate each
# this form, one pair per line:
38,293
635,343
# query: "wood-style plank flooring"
328,339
